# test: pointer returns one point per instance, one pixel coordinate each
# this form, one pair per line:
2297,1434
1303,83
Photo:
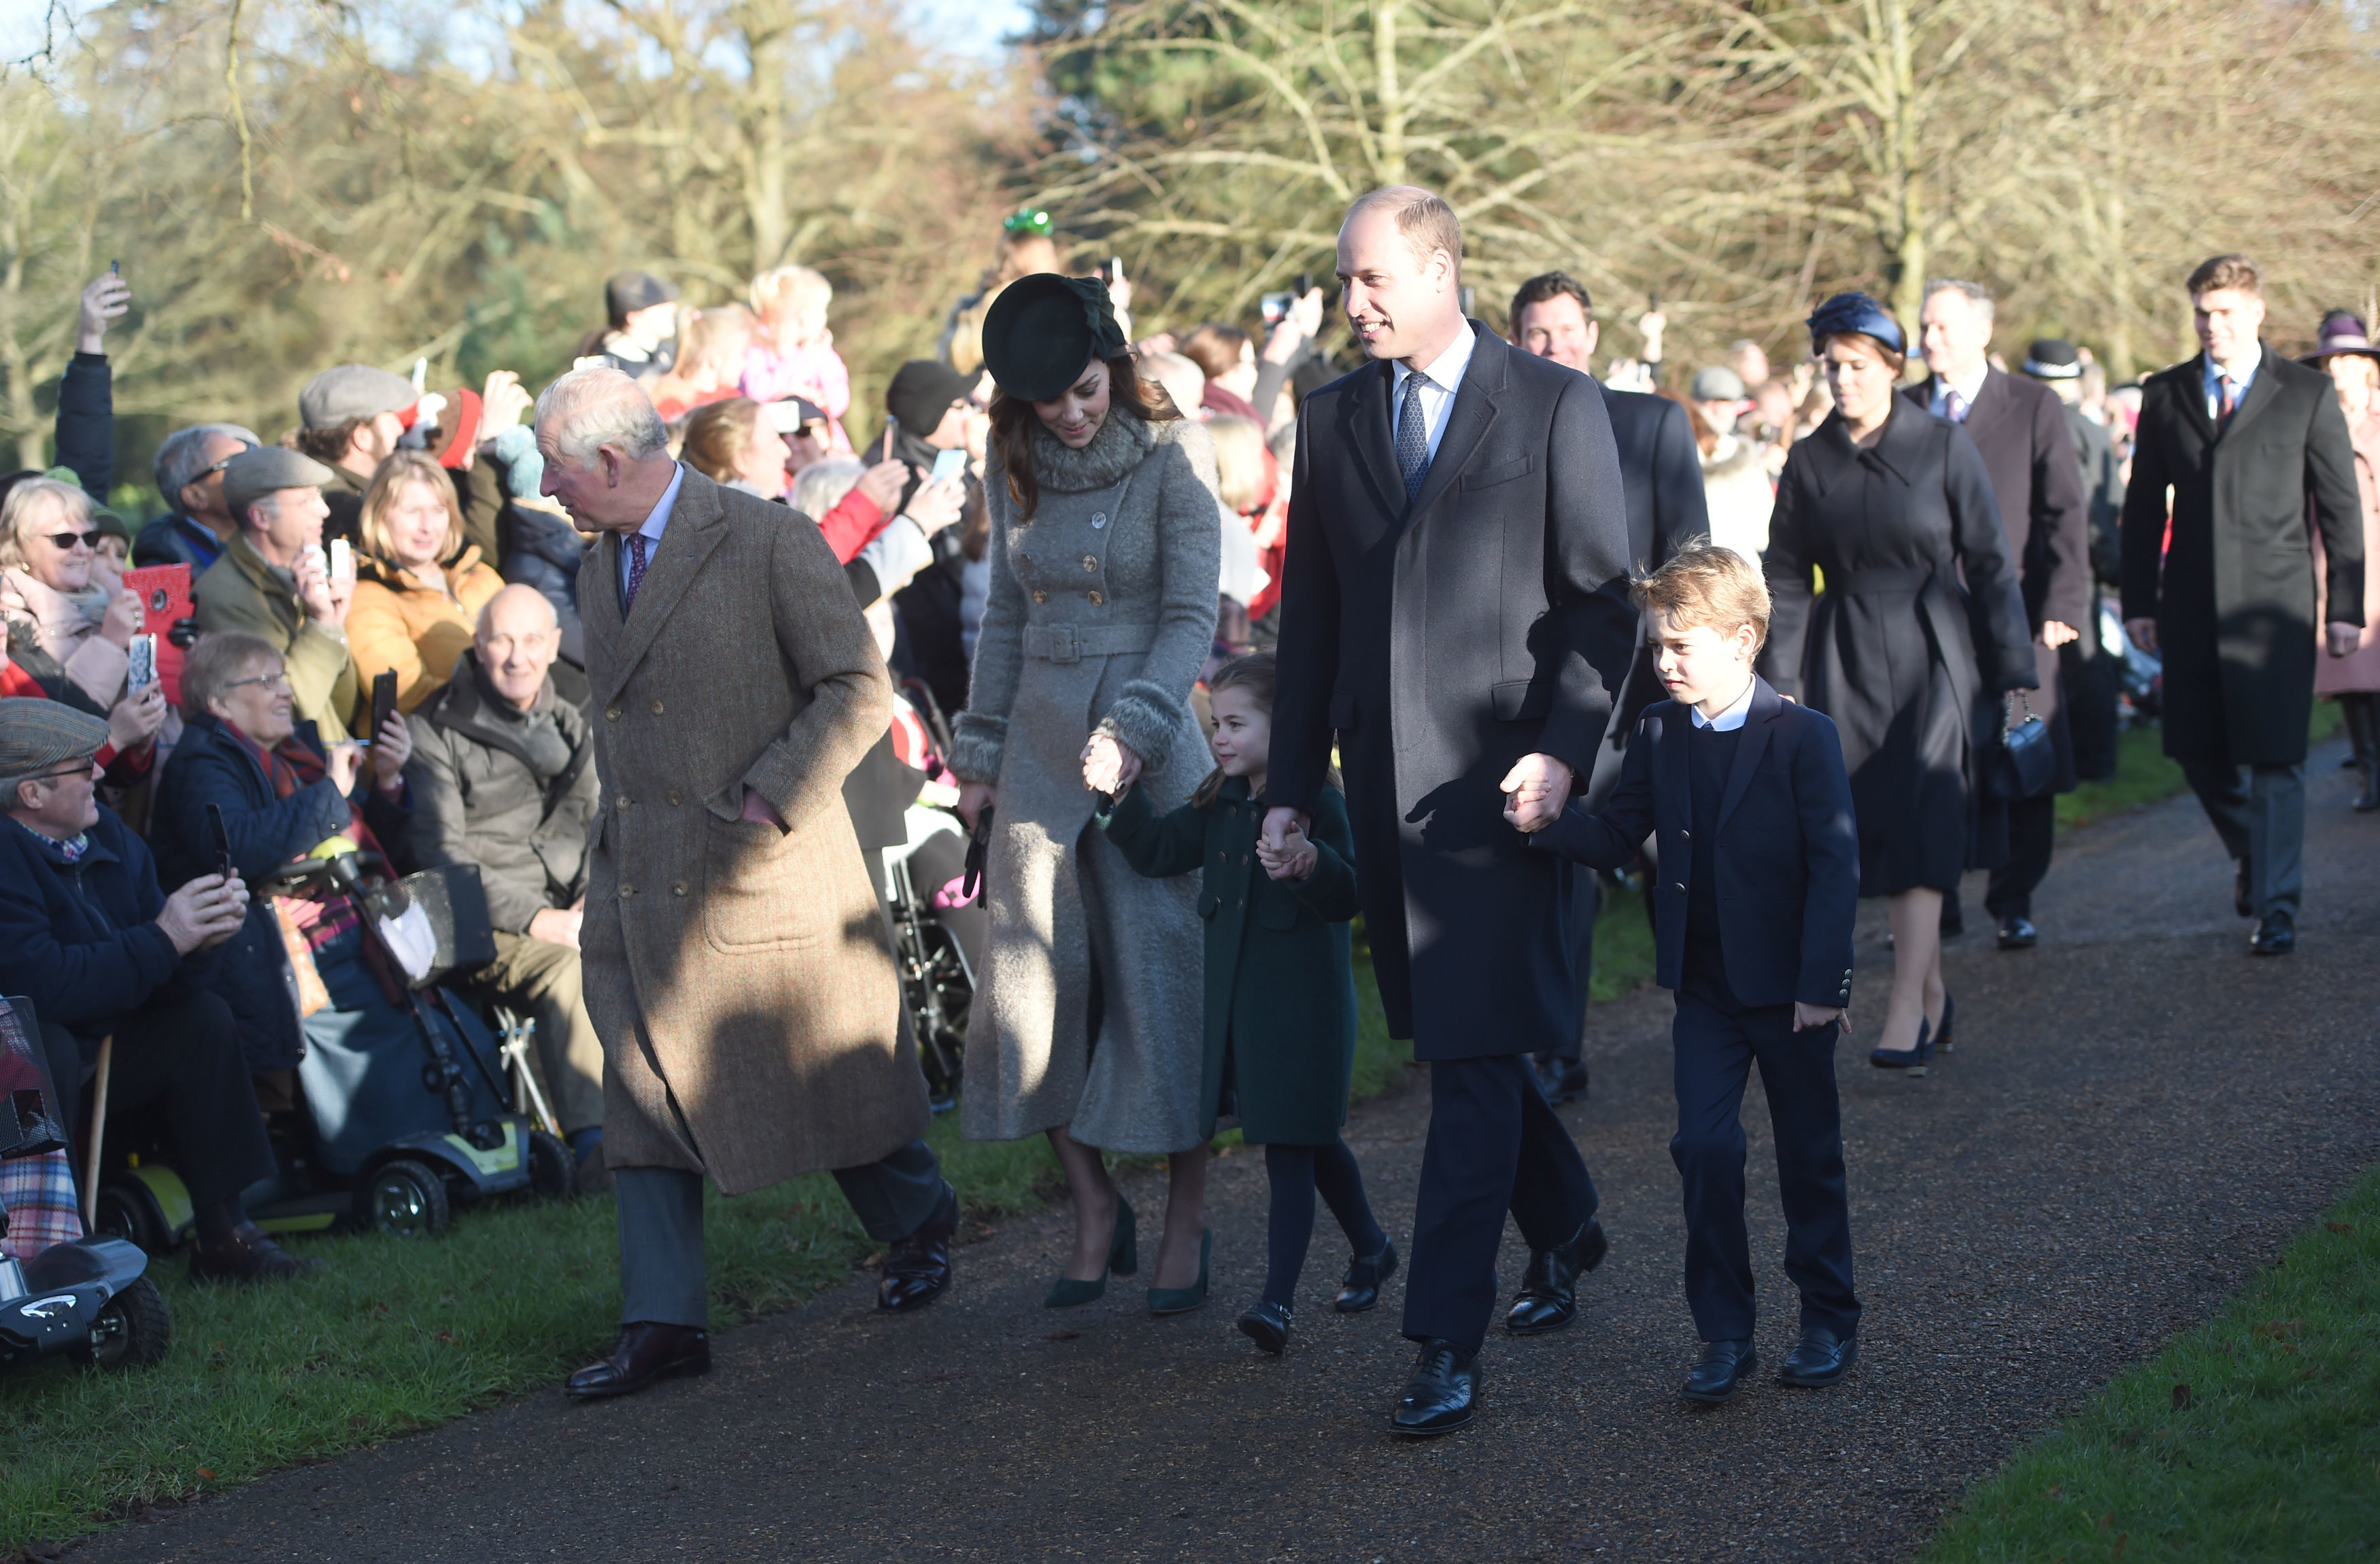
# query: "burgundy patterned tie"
2227,396
636,567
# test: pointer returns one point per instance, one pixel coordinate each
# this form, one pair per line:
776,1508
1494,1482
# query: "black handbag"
2026,764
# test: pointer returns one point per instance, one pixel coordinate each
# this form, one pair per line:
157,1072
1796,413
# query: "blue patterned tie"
1413,438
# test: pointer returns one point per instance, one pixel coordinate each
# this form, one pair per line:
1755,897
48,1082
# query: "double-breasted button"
678,889
1677,885
675,799
1685,834
657,708
1041,597
1099,520
611,714
1090,561
1096,598
622,801
626,891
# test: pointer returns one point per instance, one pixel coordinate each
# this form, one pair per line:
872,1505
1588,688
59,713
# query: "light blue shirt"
2242,375
1730,719
1439,384
651,531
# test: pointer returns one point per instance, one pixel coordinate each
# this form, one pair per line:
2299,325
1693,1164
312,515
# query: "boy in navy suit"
1758,889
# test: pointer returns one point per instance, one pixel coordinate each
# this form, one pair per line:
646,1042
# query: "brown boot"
248,1255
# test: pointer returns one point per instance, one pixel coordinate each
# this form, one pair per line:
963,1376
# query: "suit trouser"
1495,1144
661,1276
2263,822
542,977
2032,833
1715,1050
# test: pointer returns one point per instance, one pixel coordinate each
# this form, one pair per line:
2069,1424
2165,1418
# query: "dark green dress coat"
1280,982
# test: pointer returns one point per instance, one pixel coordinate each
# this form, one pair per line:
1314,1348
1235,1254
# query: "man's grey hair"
1976,294
182,459
598,405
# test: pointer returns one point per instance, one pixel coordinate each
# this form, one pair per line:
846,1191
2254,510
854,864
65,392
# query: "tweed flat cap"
41,736
251,475
354,391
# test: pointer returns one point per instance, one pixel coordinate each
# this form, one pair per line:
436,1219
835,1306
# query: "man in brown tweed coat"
736,964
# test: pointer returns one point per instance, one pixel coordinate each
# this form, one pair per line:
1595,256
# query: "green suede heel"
1124,1258
1181,1300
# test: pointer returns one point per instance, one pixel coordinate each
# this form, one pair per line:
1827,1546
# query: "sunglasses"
218,468
81,770
67,540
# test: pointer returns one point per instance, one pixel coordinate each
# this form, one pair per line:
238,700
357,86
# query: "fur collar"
1118,448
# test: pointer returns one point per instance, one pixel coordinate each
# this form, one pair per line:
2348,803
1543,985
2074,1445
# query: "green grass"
2145,776
2255,1438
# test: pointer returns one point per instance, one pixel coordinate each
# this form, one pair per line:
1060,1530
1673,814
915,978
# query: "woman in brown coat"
2345,348
418,590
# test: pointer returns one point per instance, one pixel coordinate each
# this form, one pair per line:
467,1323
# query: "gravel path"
2137,1116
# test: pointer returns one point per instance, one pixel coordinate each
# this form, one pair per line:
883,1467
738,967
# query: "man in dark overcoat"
2019,427
1661,478
1454,608
2223,588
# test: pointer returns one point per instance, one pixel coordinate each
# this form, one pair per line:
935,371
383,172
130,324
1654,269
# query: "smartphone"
949,464
343,560
1305,284
164,595
144,670
222,839
1653,300
1275,306
384,704
111,268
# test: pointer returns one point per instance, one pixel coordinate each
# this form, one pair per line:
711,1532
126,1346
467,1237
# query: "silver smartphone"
343,560
949,464
144,670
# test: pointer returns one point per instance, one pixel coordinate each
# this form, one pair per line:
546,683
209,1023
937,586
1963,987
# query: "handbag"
2026,763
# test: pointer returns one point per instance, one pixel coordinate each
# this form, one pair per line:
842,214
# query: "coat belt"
1858,583
1072,643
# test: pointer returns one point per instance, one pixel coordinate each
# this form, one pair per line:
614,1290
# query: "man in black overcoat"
2223,590
2019,427
1661,477
1454,610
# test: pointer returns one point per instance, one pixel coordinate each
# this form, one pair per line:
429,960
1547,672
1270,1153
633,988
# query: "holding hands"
1535,790
1290,856
1109,767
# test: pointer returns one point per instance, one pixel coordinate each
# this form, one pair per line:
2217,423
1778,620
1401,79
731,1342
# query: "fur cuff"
1145,720
976,743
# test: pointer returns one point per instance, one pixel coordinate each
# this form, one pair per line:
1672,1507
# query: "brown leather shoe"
248,1255
647,1351
918,1269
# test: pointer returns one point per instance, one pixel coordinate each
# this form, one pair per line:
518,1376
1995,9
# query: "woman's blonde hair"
1705,584
387,491
783,289
1239,460
39,501
716,434
709,335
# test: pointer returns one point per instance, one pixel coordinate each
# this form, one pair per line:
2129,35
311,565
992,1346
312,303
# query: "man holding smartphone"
275,580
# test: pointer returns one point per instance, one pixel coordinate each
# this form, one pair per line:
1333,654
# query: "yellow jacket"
398,623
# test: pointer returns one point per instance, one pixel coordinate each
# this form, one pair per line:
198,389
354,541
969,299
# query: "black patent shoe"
918,1269
1818,1359
1549,1295
1267,1325
2277,934
1364,1278
2019,934
1443,1394
1564,1081
1914,1059
1722,1368
647,1351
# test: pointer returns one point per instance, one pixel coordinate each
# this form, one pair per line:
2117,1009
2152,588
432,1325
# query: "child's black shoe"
1365,1273
1267,1325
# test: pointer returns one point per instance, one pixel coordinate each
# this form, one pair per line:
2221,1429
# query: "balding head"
519,633
606,453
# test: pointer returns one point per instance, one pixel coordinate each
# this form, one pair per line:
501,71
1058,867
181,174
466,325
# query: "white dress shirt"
651,531
2242,375
1969,388
1730,719
1439,384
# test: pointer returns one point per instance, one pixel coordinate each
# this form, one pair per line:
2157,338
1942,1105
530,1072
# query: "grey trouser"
542,977
661,1226
2264,822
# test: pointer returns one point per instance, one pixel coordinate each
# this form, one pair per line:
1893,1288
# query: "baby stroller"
390,1128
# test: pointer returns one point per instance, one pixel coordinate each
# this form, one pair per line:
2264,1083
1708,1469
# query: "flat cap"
1717,384
354,391
251,475
628,292
38,736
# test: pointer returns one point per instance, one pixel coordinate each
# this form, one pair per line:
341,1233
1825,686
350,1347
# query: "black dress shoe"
2017,934
2277,934
1818,1359
647,1351
1267,1325
1364,1275
1564,1081
249,1254
1549,1295
1443,1394
2240,901
918,1269
1722,1368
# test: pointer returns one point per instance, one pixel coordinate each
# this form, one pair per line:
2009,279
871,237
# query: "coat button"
674,797
678,889
1090,561
626,891
1041,597
657,708
1677,887
611,714
1686,834
623,801
1096,598
1099,520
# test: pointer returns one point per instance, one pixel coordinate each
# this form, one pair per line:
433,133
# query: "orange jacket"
397,623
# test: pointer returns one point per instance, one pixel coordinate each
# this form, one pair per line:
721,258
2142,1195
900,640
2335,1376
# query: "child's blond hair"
1705,584
784,291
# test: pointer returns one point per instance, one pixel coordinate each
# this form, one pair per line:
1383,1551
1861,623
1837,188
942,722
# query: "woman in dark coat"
1918,632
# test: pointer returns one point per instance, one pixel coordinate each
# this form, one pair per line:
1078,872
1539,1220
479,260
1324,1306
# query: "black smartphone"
222,839
383,703
1653,300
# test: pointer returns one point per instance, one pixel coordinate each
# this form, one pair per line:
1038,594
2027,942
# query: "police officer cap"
251,475
1044,329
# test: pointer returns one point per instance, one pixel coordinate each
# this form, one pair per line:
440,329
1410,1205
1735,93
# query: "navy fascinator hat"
1855,312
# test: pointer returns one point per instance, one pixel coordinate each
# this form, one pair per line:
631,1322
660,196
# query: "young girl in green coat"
1281,988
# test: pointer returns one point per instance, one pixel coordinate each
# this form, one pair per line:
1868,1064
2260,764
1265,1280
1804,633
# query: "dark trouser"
2033,831
183,1054
662,1276
2263,822
541,978
1715,1047
1495,1144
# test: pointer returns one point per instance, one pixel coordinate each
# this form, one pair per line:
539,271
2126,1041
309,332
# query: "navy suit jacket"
1788,849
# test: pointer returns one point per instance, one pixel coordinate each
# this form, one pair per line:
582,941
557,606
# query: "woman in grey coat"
1105,549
